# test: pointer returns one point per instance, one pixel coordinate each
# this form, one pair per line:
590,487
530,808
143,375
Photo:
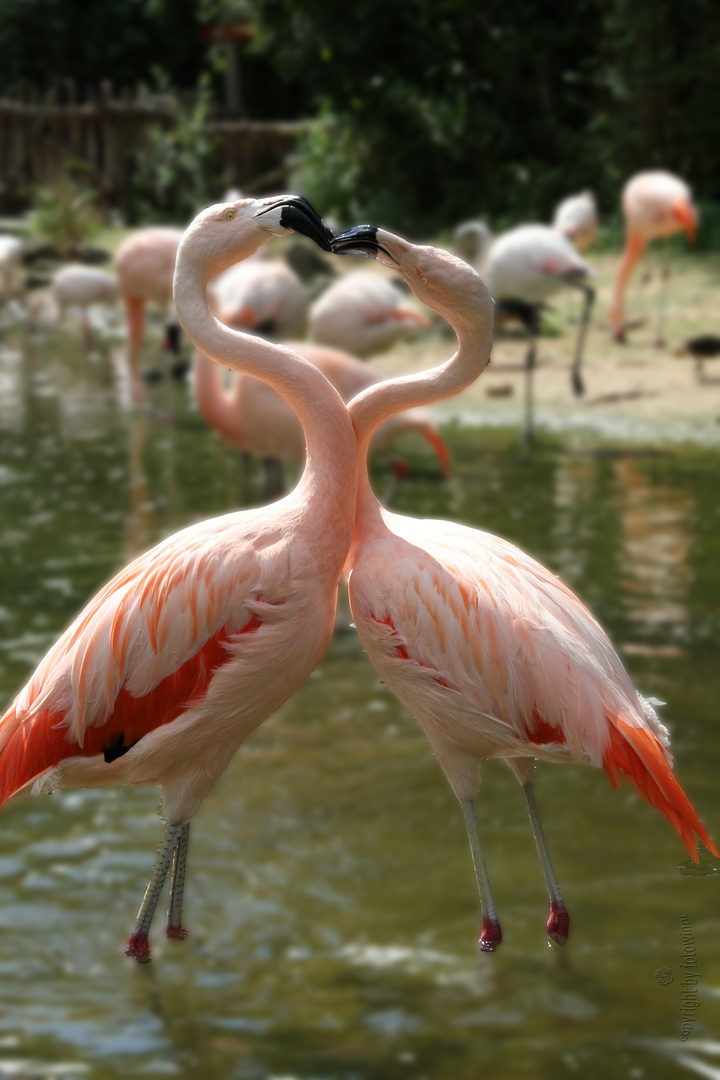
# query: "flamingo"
523,268
81,286
255,418
576,217
490,652
263,295
655,204
363,313
189,648
145,263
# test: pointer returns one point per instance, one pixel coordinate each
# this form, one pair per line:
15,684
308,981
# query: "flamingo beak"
373,243
684,212
360,240
294,213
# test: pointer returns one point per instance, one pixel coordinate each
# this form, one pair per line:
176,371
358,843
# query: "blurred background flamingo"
145,263
78,285
523,268
655,205
363,313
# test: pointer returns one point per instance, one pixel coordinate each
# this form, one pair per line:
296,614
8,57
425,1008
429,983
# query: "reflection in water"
140,531
12,396
654,567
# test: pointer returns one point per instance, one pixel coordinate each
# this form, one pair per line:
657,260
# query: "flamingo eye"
229,215
423,278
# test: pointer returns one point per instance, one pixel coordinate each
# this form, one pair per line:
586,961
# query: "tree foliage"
426,111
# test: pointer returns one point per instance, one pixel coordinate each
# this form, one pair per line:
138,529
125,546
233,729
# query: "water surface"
331,898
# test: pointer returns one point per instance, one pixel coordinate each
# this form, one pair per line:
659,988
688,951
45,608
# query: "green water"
331,899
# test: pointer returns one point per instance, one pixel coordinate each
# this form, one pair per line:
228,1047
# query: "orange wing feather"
40,743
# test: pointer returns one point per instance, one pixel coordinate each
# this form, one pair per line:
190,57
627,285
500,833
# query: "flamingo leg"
576,379
558,925
175,927
491,934
662,301
530,360
634,247
138,945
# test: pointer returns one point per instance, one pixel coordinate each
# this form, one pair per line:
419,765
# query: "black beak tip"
360,240
297,214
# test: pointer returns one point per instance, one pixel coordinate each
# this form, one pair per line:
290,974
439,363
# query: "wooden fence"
101,138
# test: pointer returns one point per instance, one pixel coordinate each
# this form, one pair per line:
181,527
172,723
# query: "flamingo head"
229,232
685,213
447,284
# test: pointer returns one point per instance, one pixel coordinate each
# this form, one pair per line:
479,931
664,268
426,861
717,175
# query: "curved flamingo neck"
328,480
384,400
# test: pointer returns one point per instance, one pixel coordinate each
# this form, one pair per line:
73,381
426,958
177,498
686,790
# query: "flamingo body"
190,647
172,665
80,285
495,657
264,295
531,263
363,313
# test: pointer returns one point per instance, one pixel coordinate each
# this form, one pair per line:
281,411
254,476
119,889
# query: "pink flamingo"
145,263
487,649
363,313
263,295
252,416
189,648
655,205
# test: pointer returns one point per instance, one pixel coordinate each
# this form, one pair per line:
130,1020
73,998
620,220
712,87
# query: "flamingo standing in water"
655,205
524,267
145,263
363,313
190,647
253,417
487,649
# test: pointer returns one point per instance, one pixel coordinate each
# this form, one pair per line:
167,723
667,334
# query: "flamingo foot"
558,925
620,336
138,947
179,933
660,343
491,935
